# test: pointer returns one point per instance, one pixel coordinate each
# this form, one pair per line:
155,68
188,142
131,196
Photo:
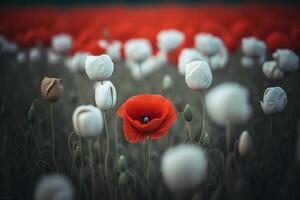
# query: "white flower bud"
114,50
188,55
245,145
253,47
170,39
153,64
61,43
287,60
21,57
271,71
198,75
274,100
35,55
247,61
137,50
99,68
219,60
105,95
228,103
208,44
54,187
54,58
184,167
76,63
87,121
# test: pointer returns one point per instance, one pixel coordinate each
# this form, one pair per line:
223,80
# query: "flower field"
150,102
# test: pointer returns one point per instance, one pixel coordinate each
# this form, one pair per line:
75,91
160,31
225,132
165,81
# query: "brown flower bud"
52,89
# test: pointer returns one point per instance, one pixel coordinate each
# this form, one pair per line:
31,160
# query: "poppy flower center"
145,119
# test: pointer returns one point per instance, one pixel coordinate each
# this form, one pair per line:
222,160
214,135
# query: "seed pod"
123,179
122,164
188,113
245,145
31,114
52,89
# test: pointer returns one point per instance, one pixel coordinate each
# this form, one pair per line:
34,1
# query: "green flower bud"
122,164
123,179
31,114
77,153
188,113
206,140
167,83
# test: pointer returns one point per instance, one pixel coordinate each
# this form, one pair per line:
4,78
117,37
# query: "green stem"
81,167
53,136
228,137
148,160
189,132
107,148
35,138
204,120
92,169
116,138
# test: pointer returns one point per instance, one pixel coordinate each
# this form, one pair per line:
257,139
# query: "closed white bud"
54,58
76,63
113,49
21,57
271,70
198,75
153,64
274,100
208,44
219,60
99,68
245,145
87,121
105,95
286,59
54,187
247,61
61,43
227,103
188,55
35,55
184,167
253,47
137,50
170,39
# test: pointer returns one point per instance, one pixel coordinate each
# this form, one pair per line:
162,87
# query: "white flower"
247,61
54,58
271,70
61,43
245,145
188,55
183,167
219,60
228,103
253,47
274,100
198,75
87,121
286,59
208,44
99,68
114,50
76,63
137,50
153,64
21,57
54,187
170,39
105,95
35,55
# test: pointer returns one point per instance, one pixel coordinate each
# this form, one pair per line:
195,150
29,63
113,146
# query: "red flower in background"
146,115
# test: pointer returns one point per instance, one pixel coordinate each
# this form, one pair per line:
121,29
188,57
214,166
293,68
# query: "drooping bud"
167,83
188,113
122,164
245,145
123,179
31,114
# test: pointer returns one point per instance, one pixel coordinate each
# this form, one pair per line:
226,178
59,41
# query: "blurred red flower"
146,115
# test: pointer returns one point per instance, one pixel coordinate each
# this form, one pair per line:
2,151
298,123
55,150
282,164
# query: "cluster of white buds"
285,60
61,43
254,52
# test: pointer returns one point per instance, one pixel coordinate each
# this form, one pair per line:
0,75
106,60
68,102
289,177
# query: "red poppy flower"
146,115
